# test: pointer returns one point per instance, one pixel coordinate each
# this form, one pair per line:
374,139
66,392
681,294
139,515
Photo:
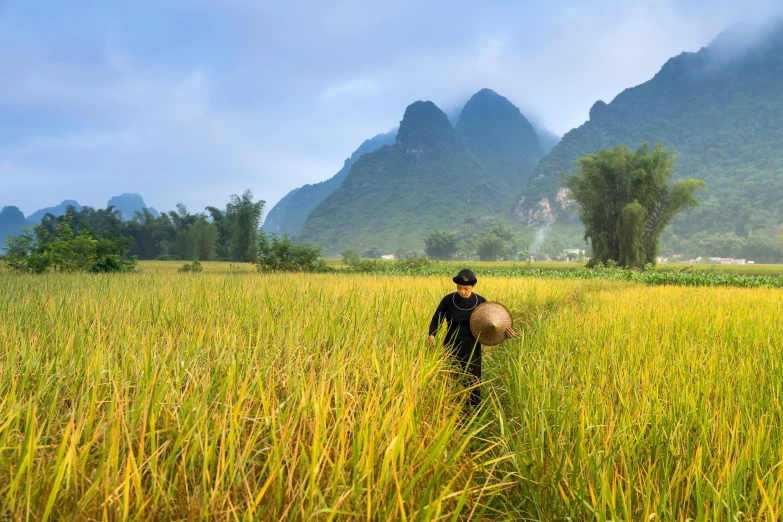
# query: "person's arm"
438,317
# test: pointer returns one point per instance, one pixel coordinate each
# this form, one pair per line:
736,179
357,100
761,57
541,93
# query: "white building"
727,261
575,254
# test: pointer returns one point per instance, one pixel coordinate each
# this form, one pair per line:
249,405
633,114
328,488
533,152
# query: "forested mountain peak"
11,222
56,210
495,130
434,176
393,196
425,127
487,106
128,204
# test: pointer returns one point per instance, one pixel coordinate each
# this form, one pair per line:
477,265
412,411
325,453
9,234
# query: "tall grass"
236,395
631,402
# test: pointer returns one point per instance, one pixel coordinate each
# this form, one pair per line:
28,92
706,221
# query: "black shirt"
456,311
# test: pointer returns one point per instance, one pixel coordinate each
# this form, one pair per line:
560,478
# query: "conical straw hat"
488,323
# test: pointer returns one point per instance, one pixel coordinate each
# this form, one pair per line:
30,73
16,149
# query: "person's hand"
432,339
509,332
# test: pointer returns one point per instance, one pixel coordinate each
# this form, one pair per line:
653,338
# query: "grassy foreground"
236,395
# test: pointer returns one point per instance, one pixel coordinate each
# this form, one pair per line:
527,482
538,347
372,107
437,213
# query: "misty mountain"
57,210
128,204
502,139
11,222
275,221
547,139
429,178
290,213
721,109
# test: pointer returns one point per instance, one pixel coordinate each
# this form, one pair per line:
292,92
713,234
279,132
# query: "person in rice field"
456,309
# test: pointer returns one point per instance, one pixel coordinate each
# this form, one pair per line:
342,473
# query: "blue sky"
190,101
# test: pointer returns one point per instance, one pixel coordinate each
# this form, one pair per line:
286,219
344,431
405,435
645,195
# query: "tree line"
499,242
229,234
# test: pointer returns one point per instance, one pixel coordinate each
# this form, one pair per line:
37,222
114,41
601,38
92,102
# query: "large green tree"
204,236
244,218
441,244
625,201
490,246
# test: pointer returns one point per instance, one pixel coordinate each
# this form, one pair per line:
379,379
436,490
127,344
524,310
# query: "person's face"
464,290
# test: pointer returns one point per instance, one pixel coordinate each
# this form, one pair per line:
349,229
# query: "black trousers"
467,353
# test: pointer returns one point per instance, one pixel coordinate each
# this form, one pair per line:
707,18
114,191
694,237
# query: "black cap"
465,277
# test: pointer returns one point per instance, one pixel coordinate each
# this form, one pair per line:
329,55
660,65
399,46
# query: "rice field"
235,395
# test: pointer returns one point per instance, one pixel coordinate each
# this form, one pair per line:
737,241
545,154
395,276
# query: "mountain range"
719,109
291,212
432,176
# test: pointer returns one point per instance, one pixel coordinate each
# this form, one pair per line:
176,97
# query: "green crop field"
230,394
766,270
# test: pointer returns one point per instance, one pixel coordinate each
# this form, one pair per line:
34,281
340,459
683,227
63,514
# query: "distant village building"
388,256
727,261
677,258
572,254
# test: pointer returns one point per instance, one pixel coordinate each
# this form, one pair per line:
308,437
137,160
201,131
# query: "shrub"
357,264
413,260
195,266
282,255
441,244
62,249
113,263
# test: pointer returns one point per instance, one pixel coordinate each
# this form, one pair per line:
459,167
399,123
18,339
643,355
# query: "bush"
282,255
113,263
357,264
195,266
441,244
372,253
490,246
411,261
60,248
